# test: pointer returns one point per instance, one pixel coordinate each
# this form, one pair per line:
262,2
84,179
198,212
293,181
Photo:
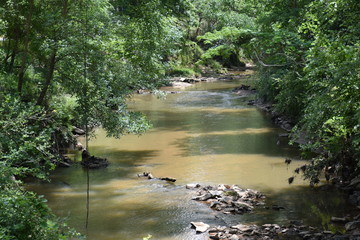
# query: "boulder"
200,227
352,225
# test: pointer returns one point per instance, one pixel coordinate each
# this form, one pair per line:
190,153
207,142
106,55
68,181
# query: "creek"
206,134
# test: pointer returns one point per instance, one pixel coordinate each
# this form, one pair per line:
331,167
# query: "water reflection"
202,135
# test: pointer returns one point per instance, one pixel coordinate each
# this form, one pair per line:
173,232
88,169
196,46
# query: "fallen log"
150,176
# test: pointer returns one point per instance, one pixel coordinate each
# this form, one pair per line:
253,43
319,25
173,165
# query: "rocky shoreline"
184,82
235,200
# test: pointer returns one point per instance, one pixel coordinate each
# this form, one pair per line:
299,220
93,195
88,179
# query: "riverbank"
234,200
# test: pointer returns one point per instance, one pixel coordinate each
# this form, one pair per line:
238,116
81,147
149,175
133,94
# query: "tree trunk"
49,76
13,55
52,62
26,45
65,9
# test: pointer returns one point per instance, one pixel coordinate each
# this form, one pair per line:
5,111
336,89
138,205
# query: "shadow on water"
124,158
312,206
235,144
207,120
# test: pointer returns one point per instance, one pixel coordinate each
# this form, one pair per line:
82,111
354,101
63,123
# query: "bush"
182,71
24,215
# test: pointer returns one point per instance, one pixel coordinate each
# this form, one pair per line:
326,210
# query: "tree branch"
268,65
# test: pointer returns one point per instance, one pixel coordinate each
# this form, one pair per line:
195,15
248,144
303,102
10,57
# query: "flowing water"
207,135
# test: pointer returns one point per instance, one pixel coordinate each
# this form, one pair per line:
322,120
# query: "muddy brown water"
205,135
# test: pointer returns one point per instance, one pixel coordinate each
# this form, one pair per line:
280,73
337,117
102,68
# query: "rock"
223,187
213,230
338,220
352,225
229,210
243,205
79,146
64,162
283,135
95,162
215,237
169,179
150,176
192,185
242,227
215,193
214,204
200,226
354,182
234,237
203,197
297,222
251,102
242,87
233,231
288,161
276,207
180,85
291,180
78,131
226,198
304,233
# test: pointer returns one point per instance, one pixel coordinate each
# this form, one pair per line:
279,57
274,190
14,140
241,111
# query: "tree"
309,69
76,64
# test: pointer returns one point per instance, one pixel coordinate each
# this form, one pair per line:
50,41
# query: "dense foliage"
310,69
70,63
